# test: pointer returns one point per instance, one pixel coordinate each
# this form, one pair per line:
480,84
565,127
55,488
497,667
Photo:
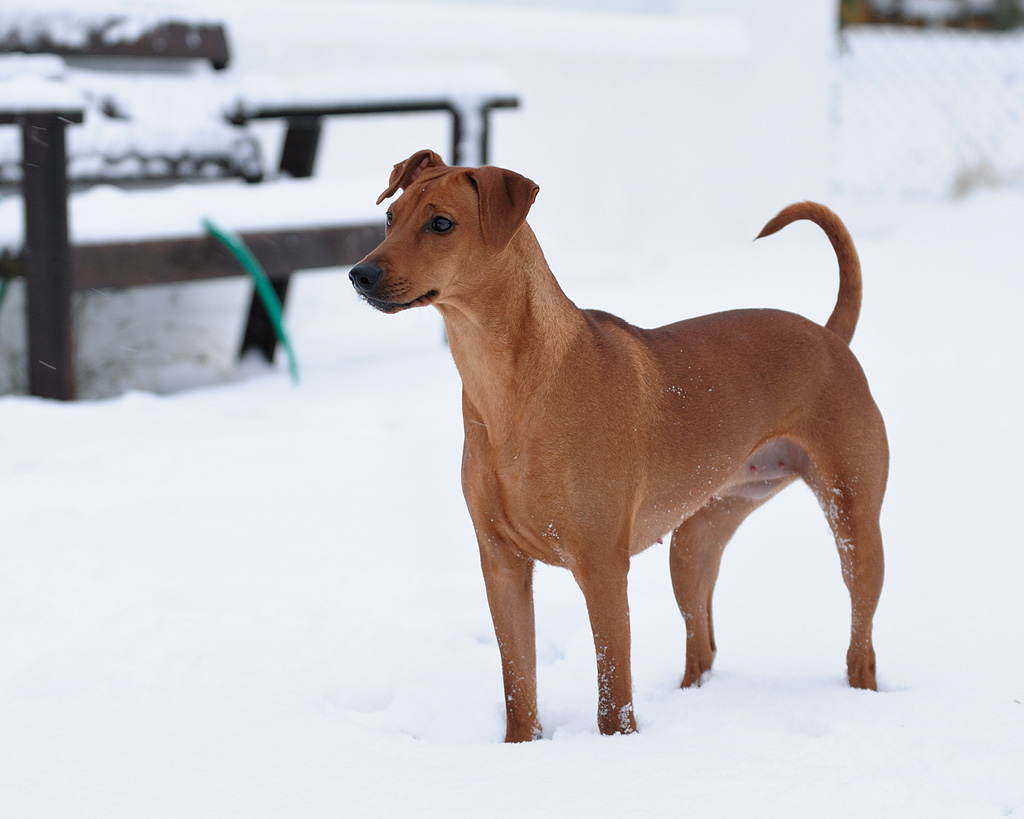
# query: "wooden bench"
51,167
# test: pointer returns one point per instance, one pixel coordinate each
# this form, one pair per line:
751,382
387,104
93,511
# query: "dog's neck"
503,339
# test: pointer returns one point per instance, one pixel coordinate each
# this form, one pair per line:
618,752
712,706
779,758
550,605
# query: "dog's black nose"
365,276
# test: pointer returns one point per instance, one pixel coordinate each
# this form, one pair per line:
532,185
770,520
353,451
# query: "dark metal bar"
290,112
295,113
485,131
407,106
47,257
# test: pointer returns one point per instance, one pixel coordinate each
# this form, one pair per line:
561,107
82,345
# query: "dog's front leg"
608,607
508,576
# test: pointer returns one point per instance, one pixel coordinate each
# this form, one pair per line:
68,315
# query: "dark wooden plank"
172,39
162,261
285,251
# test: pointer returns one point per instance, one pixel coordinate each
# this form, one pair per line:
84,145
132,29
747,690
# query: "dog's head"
443,232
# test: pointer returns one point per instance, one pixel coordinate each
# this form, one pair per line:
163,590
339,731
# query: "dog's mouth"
388,306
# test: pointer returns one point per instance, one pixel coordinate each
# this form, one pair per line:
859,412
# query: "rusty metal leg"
457,134
298,157
485,135
475,130
301,141
48,283
259,329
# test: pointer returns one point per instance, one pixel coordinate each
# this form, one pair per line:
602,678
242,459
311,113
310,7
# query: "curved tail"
843,320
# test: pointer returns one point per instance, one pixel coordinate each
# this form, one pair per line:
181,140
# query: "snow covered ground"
257,600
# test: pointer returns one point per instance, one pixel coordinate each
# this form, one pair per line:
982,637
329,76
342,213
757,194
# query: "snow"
253,600
31,84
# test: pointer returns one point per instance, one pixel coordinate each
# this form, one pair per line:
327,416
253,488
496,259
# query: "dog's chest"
544,500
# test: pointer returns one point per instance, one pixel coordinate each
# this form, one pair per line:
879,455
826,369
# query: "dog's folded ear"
407,172
505,199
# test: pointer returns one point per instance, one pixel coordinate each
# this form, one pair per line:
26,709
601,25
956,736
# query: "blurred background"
256,600
645,124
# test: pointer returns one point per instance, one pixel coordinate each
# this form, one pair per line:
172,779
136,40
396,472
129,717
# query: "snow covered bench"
144,105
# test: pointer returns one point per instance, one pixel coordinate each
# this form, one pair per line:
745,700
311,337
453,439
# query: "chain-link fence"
984,15
928,111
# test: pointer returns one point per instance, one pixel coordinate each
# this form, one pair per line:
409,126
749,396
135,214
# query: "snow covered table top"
34,84
113,33
108,48
107,214
137,125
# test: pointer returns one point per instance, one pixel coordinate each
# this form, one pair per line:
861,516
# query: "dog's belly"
767,471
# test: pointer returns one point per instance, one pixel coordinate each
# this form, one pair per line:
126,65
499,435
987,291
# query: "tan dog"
587,439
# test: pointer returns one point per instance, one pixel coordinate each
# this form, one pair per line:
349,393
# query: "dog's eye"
441,224
388,219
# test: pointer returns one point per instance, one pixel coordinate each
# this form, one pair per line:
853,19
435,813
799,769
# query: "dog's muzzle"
368,280
365,277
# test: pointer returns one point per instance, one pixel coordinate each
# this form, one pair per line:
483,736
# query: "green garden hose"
264,289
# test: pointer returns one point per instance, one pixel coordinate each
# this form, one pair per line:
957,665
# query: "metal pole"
48,283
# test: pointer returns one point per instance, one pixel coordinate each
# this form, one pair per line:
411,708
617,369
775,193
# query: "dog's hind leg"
695,557
854,522
851,498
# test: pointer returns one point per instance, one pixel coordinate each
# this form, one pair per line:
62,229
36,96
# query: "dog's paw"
696,680
525,734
